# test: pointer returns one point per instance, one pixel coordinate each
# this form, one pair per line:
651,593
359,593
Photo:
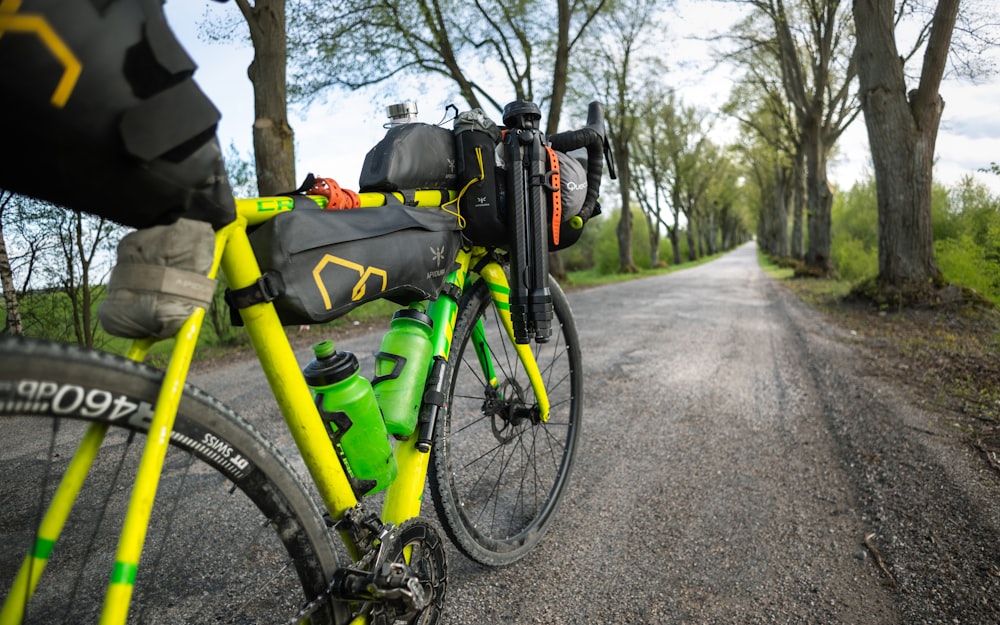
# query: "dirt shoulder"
945,357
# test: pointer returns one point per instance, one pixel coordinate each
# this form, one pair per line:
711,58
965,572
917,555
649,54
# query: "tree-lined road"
736,456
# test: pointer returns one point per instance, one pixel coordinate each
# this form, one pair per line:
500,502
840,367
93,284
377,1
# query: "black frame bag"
323,264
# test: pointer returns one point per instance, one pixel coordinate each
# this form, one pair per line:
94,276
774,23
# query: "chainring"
427,562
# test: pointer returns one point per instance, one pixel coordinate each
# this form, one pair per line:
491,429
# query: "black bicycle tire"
453,506
264,477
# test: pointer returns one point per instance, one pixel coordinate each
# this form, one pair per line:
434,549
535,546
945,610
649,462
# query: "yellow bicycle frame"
234,255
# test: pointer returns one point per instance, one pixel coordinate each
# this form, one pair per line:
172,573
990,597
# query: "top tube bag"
410,156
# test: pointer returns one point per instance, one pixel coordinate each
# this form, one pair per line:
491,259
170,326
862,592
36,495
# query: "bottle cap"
330,365
415,315
402,112
324,349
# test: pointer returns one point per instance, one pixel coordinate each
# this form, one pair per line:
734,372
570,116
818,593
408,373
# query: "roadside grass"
819,292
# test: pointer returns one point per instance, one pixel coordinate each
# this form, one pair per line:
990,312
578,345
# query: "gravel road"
738,454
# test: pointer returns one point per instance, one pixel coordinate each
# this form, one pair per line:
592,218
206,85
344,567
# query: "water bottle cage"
337,423
397,367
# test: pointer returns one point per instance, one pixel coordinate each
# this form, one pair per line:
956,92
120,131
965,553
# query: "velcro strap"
160,279
267,289
434,398
452,291
556,183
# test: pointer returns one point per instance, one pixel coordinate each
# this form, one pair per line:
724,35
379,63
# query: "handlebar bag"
482,201
410,156
321,264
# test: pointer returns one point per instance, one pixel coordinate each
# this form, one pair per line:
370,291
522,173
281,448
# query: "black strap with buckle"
267,289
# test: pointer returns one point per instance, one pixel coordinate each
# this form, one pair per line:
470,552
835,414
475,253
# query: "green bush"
606,247
854,245
965,262
967,236
855,215
855,259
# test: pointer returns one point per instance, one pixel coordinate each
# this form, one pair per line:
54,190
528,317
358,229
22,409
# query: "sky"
333,136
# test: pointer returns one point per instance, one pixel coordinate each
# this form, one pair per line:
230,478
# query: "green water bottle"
347,404
401,366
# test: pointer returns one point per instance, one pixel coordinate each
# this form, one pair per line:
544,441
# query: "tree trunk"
13,323
712,234
903,177
690,234
653,229
798,208
775,220
675,241
819,199
273,139
902,131
626,263
560,70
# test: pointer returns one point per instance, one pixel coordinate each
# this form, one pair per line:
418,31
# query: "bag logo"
38,25
437,253
360,287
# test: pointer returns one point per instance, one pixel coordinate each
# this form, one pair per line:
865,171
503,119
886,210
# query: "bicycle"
499,425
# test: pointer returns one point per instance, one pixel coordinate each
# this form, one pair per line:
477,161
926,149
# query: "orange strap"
556,183
336,197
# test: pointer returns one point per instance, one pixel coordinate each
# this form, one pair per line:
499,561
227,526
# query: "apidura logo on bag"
378,278
437,255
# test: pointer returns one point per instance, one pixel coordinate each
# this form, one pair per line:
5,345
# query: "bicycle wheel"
499,473
234,537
